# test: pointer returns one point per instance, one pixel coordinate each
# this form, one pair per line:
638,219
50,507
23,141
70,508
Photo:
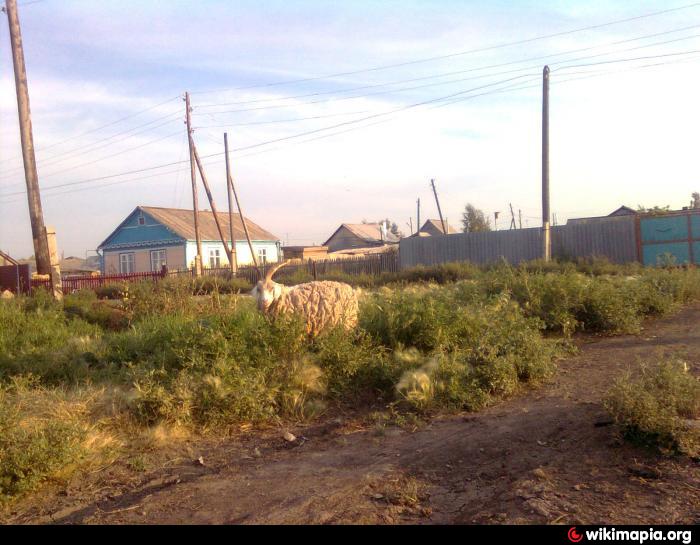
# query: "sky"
338,112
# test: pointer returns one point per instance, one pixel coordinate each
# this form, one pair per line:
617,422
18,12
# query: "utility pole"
546,234
195,200
495,221
418,216
520,218
512,217
437,201
229,191
41,245
410,224
243,222
214,212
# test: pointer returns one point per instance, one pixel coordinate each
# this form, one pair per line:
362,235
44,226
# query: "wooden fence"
373,264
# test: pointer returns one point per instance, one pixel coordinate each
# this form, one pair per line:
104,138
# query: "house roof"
181,222
623,211
437,224
367,232
7,258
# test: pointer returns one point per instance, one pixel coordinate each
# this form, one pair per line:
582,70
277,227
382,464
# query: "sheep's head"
266,291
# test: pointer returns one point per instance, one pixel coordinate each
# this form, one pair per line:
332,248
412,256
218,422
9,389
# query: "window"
126,263
158,260
262,255
214,259
142,220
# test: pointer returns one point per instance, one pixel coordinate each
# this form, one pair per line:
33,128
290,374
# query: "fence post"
313,268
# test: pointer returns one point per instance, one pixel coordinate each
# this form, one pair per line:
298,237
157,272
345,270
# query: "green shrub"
611,307
31,452
40,339
656,408
111,291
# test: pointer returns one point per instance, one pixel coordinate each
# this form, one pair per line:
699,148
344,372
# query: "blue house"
151,237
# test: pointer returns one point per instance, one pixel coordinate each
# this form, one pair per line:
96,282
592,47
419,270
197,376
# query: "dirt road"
549,456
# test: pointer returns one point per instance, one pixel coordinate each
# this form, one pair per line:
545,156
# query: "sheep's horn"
272,270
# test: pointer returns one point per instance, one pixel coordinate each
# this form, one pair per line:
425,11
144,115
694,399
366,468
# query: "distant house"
434,227
77,266
5,259
623,211
305,252
360,235
151,237
619,212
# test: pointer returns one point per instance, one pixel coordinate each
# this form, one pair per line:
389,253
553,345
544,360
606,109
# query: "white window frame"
161,259
262,255
214,258
127,262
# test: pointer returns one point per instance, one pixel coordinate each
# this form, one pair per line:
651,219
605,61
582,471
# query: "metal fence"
614,238
374,264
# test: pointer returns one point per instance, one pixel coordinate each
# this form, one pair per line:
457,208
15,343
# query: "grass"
157,362
660,407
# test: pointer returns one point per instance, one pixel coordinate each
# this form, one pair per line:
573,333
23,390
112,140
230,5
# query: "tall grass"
452,337
660,407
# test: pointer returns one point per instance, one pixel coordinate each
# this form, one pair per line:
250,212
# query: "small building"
623,211
360,235
152,237
434,227
619,212
77,266
305,252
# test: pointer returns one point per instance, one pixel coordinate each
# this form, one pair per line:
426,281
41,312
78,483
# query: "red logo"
574,536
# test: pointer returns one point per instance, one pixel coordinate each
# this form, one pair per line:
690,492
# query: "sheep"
322,303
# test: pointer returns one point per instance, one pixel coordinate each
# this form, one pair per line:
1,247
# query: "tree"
474,220
655,211
696,200
393,227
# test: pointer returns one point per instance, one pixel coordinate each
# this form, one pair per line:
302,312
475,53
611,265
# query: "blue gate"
670,239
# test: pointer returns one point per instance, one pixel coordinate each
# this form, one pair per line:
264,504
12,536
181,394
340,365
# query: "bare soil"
550,455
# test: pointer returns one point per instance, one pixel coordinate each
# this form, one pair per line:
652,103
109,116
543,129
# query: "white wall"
242,252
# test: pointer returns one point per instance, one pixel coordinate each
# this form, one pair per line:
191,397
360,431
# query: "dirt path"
547,456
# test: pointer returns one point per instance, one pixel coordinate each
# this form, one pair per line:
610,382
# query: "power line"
278,120
334,99
107,124
99,144
260,144
461,53
444,74
140,146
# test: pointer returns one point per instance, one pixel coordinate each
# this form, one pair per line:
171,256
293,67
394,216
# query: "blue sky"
622,132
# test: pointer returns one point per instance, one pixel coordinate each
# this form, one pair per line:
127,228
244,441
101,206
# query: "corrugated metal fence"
614,238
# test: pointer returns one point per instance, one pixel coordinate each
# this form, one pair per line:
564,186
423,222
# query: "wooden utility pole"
229,192
418,216
437,201
520,218
195,199
215,213
41,246
240,213
546,234
512,217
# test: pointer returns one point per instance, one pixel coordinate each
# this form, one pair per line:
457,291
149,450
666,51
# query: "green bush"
40,339
31,452
657,407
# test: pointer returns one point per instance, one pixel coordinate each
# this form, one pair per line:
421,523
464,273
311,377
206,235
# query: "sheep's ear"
274,269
